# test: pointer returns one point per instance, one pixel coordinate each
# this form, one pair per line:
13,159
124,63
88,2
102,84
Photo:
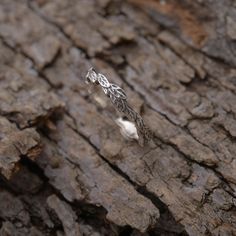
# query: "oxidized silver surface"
119,99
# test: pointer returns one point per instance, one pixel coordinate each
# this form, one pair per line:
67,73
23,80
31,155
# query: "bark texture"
65,168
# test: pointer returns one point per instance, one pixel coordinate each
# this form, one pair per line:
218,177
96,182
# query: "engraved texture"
119,100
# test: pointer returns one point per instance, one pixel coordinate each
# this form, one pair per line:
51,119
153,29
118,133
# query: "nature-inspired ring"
119,100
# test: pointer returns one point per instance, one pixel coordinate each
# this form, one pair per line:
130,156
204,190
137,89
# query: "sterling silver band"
119,100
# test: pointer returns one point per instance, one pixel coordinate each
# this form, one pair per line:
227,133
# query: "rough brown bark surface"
66,169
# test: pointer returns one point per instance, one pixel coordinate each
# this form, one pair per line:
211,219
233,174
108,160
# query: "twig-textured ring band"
119,100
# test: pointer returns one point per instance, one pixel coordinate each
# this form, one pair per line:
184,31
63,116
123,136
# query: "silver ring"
119,100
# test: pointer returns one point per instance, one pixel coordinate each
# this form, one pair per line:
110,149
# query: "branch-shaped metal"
119,99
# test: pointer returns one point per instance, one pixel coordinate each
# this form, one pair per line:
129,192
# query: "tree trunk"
65,167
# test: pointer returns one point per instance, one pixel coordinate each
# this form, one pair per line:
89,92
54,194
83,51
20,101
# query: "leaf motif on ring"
105,90
103,81
91,75
117,91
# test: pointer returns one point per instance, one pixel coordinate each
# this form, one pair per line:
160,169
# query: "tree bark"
65,167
